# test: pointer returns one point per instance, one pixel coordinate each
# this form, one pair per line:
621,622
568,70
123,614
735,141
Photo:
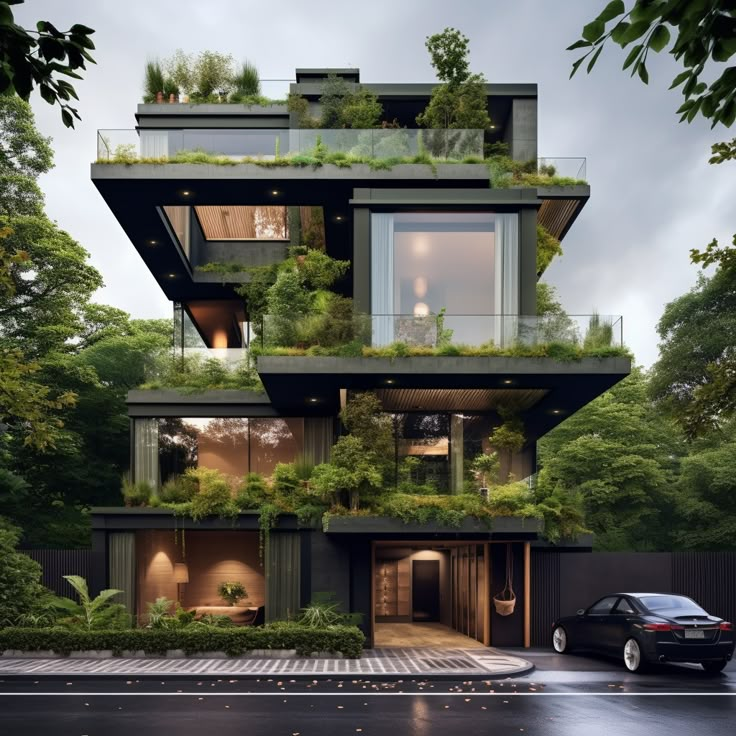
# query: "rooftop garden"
363,479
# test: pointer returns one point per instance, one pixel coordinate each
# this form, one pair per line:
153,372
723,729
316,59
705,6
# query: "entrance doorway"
425,590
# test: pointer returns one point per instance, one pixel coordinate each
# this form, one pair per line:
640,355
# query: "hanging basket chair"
505,601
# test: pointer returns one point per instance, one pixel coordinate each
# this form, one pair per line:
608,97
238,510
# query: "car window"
604,605
623,606
671,603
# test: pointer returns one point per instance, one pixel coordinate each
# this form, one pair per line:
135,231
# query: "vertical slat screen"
709,578
56,563
545,595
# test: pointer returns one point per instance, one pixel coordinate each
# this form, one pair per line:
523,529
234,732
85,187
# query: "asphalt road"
565,696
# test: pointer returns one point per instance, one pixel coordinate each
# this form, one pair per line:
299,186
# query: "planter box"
470,525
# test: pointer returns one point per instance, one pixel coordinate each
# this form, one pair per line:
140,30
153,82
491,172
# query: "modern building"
442,252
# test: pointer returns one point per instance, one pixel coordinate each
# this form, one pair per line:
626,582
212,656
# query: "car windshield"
671,603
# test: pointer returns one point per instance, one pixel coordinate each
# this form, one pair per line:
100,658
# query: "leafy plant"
136,493
158,613
37,58
704,38
247,82
21,592
178,489
548,246
91,613
252,492
214,496
155,81
231,592
212,75
486,465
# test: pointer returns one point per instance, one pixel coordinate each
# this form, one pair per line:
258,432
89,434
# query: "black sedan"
648,627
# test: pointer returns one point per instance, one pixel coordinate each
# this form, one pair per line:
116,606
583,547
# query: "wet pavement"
565,696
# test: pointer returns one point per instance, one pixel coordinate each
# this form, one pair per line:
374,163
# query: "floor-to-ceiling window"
462,264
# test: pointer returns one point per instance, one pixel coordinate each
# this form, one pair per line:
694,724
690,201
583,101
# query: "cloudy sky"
654,196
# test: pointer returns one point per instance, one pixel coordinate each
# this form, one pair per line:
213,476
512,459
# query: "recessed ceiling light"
556,411
186,193
152,242
507,381
313,400
390,380
275,192
171,275
338,218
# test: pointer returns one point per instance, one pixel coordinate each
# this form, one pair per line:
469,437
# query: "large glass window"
465,263
234,446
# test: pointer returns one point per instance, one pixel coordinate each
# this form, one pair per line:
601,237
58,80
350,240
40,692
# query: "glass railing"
128,146
231,359
439,332
570,168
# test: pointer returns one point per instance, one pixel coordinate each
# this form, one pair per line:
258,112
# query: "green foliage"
235,642
20,578
361,110
506,172
247,82
252,492
285,479
137,493
548,246
91,613
320,271
486,465
178,69
299,107
214,496
192,374
231,592
24,155
703,32
697,334
364,418
335,92
178,489
449,54
212,74
463,106
39,58
155,81
618,455
323,611
599,334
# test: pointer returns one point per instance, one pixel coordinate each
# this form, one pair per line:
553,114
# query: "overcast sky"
653,194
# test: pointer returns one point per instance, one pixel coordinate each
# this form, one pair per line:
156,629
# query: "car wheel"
714,668
560,642
633,657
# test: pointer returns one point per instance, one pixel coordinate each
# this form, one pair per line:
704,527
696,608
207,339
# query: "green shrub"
252,493
90,613
234,641
21,591
136,493
178,489
324,611
214,497
285,479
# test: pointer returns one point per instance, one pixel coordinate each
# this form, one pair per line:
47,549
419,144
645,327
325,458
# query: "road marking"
286,694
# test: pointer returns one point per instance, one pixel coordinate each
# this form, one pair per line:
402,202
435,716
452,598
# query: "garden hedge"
347,640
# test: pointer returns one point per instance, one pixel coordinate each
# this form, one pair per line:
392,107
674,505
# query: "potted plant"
231,592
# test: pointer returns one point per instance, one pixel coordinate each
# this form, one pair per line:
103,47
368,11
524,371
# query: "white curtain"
506,277
382,277
145,448
154,143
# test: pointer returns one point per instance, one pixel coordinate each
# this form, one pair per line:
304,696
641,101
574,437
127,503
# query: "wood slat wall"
451,399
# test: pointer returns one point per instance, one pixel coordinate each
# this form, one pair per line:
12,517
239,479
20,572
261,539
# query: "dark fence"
564,582
56,563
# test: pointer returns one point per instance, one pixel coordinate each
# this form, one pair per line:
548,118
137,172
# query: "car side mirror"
581,612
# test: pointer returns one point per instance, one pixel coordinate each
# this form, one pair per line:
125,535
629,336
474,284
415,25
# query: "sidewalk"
429,663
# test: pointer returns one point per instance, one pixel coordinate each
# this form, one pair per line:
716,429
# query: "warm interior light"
420,287
420,246
421,309
181,572
219,339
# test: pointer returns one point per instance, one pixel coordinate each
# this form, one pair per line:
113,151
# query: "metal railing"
440,332
129,145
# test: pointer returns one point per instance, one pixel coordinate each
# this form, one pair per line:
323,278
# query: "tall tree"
619,455
704,34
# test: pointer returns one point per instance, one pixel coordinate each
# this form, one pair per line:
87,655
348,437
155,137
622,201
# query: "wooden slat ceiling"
452,399
555,214
238,222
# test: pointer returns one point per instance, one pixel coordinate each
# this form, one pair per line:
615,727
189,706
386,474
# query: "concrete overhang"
296,382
